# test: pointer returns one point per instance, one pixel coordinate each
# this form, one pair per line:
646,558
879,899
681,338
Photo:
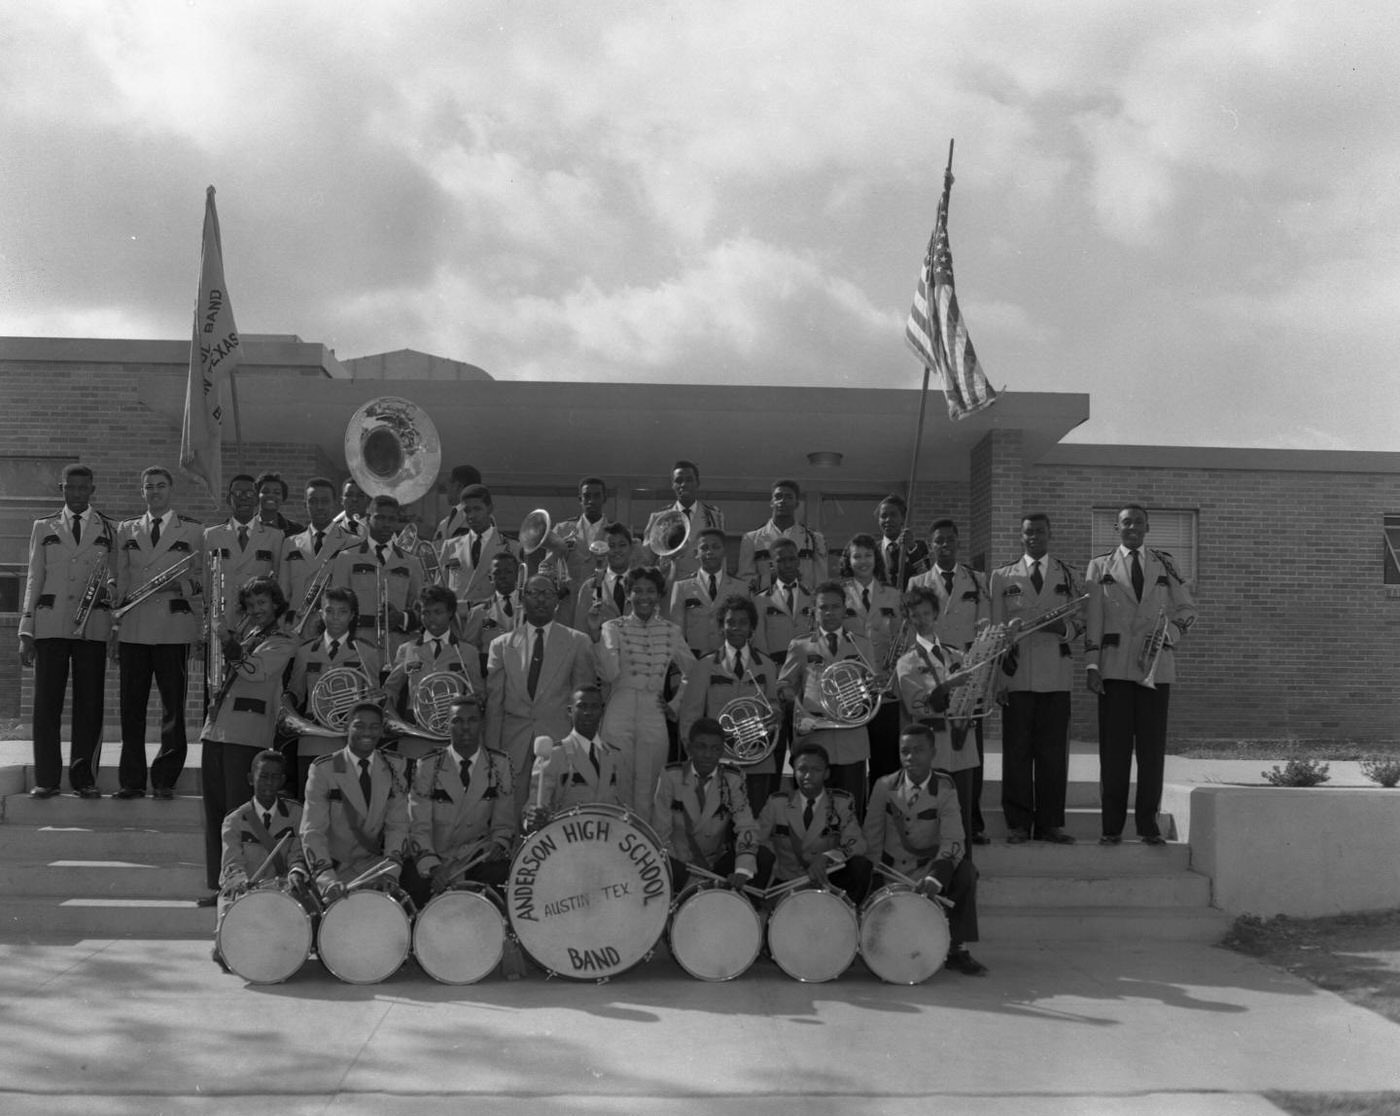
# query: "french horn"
750,729
335,694
392,449
848,694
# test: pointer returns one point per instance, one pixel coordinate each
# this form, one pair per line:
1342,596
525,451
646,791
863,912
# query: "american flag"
935,328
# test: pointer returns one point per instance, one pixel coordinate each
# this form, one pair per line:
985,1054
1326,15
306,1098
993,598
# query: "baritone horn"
392,449
669,533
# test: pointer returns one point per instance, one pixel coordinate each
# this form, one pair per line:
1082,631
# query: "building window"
1169,529
1390,532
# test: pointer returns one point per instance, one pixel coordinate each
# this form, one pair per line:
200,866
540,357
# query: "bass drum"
589,892
903,935
460,935
813,934
715,933
364,937
265,936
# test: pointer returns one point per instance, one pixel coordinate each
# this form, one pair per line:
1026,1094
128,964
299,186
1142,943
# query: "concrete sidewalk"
154,1027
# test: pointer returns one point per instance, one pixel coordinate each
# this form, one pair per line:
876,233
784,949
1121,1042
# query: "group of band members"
576,679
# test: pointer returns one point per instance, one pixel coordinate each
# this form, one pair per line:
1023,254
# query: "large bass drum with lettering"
589,892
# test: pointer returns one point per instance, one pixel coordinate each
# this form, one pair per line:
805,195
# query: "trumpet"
750,726
96,580
315,590
155,585
1151,654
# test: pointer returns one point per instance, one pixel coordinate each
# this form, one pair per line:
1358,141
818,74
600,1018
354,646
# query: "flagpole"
237,420
923,391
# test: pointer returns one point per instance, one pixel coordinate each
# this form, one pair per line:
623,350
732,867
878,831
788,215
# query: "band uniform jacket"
416,659
794,845
723,822
174,615
1118,624
1044,661
569,777
513,717
802,670
608,610
903,562
313,659
247,842
755,557
712,685
340,832
357,568
912,836
299,563
59,571
696,613
916,675
482,621
702,517
258,559
879,623
781,624
248,714
445,819
960,610
470,582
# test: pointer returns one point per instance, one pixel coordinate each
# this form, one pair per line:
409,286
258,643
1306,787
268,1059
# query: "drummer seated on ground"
253,831
812,831
579,769
914,826
356,815
701,812
461,811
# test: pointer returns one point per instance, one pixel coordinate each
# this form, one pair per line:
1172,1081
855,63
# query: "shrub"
1297,773
1384,770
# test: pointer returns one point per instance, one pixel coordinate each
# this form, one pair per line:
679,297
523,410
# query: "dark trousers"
420,888
959,888
1035,760
853,877
1132,721
850,777
971,804
53,659
680,874
168,664
225,786
760,788
884,740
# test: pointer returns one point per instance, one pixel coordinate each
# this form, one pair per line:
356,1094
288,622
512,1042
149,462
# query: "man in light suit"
245,546
963,607
787,611
356,812
685,483
462,806
696,601
466,558
68,552
756,564
305,554
580,768
1130,588
153,640
1035,716
530,675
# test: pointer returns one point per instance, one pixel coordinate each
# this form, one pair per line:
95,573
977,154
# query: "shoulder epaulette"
187,519
504,757
324,758
675,766
838,792
730,765
311,642
393,759
943,774
1170,563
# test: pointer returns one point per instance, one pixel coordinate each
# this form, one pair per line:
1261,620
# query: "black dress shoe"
1154,839
981,839
207,900
1017,837
960,961
162,792
130,792
88,792
1110,839
1056,836
42,792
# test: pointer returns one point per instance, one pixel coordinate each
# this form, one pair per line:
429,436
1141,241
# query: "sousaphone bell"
392,449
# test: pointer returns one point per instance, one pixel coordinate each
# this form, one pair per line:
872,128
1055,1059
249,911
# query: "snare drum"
903,935
715,933
266,934
364,937
589,892
813,934
459,936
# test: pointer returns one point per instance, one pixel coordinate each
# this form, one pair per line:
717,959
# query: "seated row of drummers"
455,820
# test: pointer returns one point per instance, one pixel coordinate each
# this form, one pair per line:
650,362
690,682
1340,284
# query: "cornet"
1151,653
95,582
155,585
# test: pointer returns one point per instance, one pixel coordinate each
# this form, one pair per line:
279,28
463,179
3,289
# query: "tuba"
336,692
669,533
750,726
392,449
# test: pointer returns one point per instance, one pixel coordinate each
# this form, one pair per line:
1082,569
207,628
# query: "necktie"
536,662
1036,580
865,598
714,588
437,648
948,581
831,642
319,540
466,773
807,814
77,527
242,537
267,820
703,789
787,596
155,531
593,757
507,607
476,551
334,647
738,664
379,550
1137,575
364,780
619,596
913,796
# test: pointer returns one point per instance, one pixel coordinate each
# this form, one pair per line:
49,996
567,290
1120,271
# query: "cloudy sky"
1188,210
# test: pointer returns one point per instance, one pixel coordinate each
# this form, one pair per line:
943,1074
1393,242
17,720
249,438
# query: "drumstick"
835,856
897,875
465,862
266,864
706,874
383,868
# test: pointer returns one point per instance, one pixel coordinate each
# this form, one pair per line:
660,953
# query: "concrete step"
1082,822
1085,860
91,917
183,811
147,846
1177,889
101,878
1078,793
1100,924
108,783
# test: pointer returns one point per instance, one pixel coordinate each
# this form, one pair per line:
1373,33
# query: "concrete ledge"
1297,851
